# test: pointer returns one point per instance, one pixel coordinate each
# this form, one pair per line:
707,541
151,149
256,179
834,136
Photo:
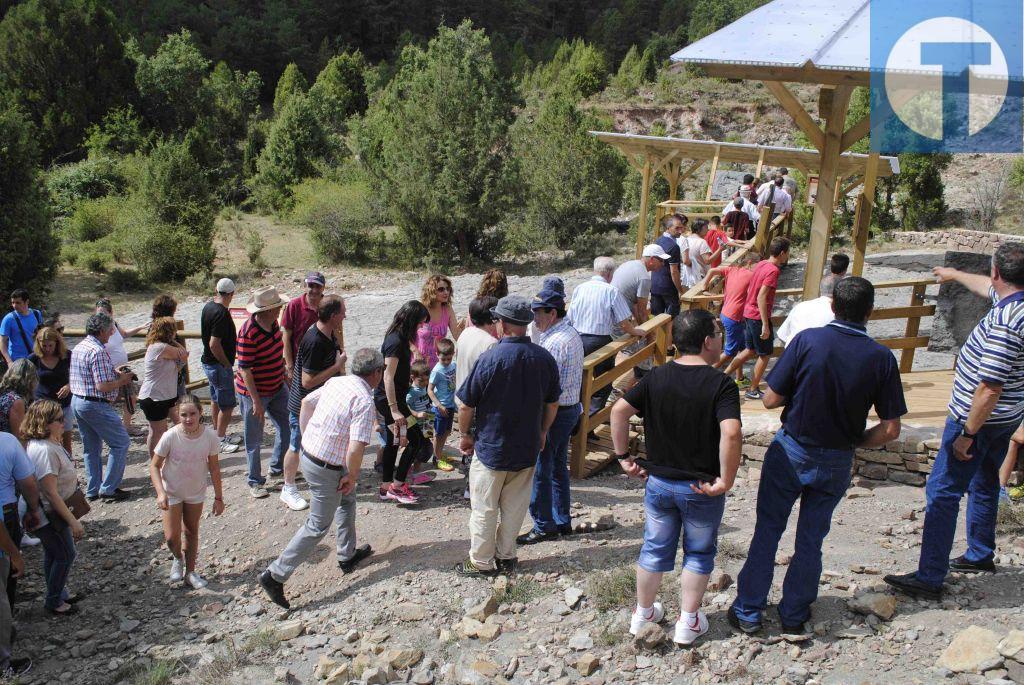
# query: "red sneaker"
422,478
402,494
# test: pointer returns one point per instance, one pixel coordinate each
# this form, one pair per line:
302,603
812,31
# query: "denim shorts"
295,441
671,508
734,336
222,385
753,340
443,424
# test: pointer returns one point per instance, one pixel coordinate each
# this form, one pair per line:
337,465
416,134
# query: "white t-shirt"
781,199
471,344
115,348
49,458
185,470
748,208
695,246
810,314
160,377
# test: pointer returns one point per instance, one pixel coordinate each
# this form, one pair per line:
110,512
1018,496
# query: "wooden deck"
927,394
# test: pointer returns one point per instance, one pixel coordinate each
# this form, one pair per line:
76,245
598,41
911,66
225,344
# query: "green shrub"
296,140
341,219
254,244
94,257
124,280
93,219
86,180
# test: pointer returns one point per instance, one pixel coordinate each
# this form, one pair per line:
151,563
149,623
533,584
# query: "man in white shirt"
696,253
775,194
810,314
746,206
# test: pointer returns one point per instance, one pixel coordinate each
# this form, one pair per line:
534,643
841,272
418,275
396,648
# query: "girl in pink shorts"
181,461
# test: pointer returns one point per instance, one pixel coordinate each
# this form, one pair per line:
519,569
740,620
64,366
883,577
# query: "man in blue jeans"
986,408
827,380
549,503
691,415
217,330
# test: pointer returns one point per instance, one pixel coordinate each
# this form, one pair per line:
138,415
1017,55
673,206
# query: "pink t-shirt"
765,273
736,281
429,333
185,469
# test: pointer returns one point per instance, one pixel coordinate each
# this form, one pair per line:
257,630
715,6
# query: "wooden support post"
714,170
760,164
578,455
821,223
645,193
672,176
862,219
913,325
763,227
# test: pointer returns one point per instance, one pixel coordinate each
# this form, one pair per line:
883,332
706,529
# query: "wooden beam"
714,170
802,74
821,222
645,192
796,110
760,165
862,218
690,170
852,183
856,132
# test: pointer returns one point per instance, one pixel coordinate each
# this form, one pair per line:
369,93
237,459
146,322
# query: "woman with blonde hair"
52,360
17,390
159,391
179,467
437,298
43,427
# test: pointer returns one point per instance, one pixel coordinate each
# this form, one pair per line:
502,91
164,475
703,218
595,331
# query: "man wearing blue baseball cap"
513,394
549,504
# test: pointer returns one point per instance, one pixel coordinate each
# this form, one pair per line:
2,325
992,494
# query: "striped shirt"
565,345
262,352
344,412
90,366
596,307
994,352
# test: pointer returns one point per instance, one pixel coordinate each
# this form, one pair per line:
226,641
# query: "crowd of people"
508,377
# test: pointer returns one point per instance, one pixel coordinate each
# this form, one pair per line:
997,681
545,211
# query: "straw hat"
264,299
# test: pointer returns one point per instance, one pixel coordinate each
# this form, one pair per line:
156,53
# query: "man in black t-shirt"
316,361
218,332
691,415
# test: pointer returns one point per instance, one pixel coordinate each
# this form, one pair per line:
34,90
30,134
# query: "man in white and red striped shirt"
336,421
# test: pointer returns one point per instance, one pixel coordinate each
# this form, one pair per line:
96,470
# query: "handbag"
78,504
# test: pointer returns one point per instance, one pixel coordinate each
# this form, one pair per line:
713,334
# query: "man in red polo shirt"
300,314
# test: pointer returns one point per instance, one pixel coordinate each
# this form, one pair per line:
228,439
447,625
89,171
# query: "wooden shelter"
677,159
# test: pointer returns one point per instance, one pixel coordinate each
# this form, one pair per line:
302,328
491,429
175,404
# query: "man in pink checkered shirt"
336,421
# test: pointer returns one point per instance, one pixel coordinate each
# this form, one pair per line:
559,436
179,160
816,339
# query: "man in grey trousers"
336,421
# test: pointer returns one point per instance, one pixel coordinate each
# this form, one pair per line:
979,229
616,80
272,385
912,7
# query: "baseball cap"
656,251
316,277
226,286
548,298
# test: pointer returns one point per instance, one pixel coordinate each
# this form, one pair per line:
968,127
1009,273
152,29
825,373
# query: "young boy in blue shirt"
442,393
420,424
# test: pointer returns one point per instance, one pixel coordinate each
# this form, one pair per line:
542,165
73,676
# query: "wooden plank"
862,218
903,312
913,325
760,164
645,192
796,110
856,132
714,170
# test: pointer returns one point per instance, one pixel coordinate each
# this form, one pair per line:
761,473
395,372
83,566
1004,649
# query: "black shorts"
157,410
753,340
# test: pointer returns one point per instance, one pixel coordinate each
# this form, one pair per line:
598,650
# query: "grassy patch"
1010,518
522,591
731,549
233,657
146,672
612,589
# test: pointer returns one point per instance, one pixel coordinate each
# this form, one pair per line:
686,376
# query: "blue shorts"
671,508
443,424
753,341
222,385
295,441
734,336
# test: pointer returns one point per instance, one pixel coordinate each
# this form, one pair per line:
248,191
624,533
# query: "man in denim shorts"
691,414
218,333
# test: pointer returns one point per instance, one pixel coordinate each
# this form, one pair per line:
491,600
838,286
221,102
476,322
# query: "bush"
94,257
254,244
86,180
93,219
119,133
291,83
578,69
124,280
341,219
294,143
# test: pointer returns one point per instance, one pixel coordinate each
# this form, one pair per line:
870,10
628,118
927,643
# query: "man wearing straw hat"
260,383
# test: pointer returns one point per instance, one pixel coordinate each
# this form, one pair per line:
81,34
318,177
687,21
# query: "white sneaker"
198,582
177,572
290,496
687,634
28,540
465,495
636,621
258,491
228,447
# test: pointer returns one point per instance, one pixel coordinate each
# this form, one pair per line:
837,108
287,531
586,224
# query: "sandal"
71,609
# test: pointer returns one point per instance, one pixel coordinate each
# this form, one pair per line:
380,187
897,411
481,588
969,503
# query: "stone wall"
907,461
958,239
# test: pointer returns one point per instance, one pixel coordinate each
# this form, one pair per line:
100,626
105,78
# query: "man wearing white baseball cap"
633,280
218,333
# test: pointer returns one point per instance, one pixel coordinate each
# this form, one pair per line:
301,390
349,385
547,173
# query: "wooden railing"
659,329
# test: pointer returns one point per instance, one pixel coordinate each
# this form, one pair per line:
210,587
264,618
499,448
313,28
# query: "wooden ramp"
927,394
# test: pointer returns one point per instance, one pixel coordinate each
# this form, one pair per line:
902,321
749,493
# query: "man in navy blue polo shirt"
666,286
986,408
827,380
513,394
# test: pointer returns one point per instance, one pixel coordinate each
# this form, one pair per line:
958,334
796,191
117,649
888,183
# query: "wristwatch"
969,436
623,457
